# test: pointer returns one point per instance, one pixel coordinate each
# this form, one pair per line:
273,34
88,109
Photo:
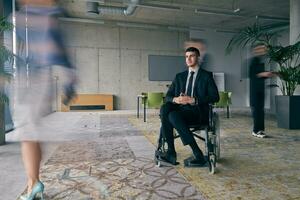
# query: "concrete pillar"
2,124
294,21
5,10
295,27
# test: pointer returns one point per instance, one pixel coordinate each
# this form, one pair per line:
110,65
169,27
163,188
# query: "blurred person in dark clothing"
257,75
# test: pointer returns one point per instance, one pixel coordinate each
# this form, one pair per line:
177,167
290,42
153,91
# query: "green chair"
143,97
225,101
155,99
150,100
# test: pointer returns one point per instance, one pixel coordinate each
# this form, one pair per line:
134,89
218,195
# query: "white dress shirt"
195,70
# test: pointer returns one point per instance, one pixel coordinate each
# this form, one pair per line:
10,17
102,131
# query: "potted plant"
288,60
5,56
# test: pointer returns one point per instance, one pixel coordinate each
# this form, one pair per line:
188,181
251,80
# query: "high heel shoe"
37,190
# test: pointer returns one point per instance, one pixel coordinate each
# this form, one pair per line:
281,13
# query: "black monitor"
164,68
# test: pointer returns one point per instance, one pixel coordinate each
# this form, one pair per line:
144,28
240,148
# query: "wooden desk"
90,102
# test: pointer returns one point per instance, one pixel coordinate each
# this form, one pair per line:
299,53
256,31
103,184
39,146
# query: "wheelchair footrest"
187,163
162,162
159,159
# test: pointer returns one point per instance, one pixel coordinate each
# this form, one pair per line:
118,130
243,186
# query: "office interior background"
109,42
116,46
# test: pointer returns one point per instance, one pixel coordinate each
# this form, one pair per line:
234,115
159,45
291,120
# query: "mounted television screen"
164,68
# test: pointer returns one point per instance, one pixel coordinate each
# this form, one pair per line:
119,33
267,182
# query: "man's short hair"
193,49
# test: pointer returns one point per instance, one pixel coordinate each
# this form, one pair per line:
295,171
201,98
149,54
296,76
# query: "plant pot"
288,111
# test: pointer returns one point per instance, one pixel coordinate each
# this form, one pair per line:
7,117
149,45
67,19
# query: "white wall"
234,67
231,65
283,40
112,60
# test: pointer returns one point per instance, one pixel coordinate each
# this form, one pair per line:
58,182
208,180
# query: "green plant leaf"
287,57
5,25
5,55
250,35
3,98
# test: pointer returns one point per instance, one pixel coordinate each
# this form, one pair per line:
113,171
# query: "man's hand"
184,100
266,74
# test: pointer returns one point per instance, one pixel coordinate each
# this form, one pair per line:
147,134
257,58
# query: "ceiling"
230,15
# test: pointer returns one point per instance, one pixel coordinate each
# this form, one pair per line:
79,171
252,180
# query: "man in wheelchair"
187,103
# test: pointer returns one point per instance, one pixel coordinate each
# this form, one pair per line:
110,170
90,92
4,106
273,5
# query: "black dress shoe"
170,158
195,162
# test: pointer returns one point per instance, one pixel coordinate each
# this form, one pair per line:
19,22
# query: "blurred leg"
31,154
258,116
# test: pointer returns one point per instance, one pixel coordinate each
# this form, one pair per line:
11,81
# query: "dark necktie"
190,85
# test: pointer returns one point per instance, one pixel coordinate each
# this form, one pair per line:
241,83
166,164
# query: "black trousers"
258,115
178,117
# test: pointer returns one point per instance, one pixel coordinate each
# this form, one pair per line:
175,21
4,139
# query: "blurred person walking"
37,27
257,76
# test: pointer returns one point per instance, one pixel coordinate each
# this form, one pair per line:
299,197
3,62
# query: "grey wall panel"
153,86
130,78
228,64
148,39
110,74
115,60
87,68
164,68
90,35
109,71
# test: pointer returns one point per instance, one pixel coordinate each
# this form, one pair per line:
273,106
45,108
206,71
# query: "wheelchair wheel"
157,158
212,164
158,163
217,147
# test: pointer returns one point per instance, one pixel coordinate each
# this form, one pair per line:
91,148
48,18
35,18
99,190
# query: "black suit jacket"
205,89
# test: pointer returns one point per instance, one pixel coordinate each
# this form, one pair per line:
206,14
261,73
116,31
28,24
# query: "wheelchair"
209,133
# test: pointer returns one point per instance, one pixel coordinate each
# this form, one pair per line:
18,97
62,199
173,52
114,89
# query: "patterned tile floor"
108,158
250,168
